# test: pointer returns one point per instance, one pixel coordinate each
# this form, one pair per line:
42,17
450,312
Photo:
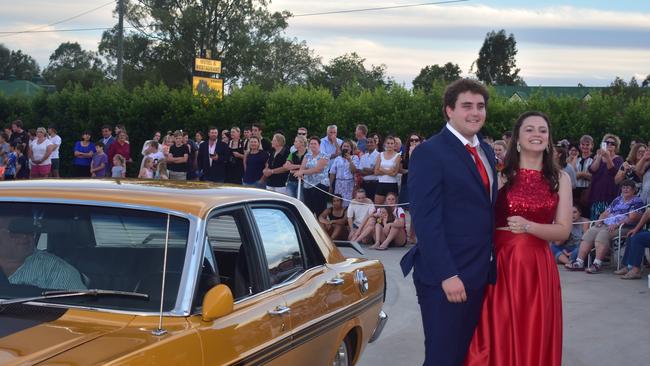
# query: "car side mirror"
217,302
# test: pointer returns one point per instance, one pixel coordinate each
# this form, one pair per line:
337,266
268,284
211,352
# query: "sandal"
621,272
631,276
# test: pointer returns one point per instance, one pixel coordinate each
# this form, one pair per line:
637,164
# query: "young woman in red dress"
521,318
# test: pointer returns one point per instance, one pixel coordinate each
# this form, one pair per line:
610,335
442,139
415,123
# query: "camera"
345,152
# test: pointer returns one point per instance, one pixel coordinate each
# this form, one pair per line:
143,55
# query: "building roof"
14,87
525,92
194,198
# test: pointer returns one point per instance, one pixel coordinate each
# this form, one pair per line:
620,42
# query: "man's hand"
454,289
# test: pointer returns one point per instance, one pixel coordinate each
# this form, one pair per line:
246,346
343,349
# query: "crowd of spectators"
355,187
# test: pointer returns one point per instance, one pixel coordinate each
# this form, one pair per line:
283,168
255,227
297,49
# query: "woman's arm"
322,218
559,230
378,170
395,169
320,165
595,165
343,220
620,175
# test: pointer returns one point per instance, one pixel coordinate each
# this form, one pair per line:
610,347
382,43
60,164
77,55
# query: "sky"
560,43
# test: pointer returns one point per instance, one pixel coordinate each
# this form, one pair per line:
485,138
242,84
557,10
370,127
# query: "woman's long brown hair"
550,170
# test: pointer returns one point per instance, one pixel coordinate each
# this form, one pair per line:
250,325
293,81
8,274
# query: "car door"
312,290
258,328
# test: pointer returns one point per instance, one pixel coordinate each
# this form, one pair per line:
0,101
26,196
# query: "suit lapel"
460,150
489,153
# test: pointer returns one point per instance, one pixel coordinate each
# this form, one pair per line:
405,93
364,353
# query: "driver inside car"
23,264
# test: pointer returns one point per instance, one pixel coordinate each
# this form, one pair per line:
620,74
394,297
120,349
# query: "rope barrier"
300,182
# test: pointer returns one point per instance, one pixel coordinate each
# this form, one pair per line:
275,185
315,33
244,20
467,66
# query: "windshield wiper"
74,293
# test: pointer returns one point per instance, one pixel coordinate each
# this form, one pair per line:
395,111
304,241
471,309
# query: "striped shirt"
47,271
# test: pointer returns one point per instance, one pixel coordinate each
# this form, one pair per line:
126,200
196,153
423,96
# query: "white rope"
347,200
300,182
611,217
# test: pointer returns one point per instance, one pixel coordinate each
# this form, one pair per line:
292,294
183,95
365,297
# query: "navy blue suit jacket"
452,213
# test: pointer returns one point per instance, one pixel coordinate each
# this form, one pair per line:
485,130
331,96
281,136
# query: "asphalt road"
606,320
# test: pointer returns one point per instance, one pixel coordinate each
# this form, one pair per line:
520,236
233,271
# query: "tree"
496,64
282,61
17,64
349,70
646,82
430,74
70,63
233,30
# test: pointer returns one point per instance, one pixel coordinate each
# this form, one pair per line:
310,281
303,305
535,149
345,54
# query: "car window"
76,247
226,235
281,244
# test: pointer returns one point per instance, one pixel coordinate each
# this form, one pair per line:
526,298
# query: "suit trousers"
448,327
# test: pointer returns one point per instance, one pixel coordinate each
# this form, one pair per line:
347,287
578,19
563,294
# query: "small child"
147,169
99,162
161,171
118,170
568,250
22,163
10,168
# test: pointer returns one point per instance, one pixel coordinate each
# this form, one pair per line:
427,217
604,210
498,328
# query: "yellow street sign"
207,65
205,86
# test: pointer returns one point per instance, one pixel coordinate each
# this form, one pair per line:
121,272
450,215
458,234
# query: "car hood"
48,336
32,334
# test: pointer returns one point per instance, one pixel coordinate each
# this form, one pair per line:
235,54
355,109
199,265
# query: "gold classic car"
150,273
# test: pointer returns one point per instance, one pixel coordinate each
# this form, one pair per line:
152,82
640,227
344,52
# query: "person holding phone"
603,171
342,172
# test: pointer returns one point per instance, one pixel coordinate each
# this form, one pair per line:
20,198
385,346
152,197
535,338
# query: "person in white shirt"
367,168
358,210
331,145
54,157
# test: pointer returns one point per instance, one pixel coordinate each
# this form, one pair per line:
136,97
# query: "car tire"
343,356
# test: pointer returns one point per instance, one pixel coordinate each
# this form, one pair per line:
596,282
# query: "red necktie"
480,167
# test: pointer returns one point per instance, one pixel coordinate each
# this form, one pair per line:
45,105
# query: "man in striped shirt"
22,264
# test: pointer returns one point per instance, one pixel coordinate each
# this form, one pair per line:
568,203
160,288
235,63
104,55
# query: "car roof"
194,198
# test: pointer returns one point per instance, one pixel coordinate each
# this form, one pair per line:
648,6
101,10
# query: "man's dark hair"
100,144
213,128
258,125
461,86
18,123
108,127
507,134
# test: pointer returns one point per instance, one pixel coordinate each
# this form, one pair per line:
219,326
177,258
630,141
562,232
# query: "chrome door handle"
336,281
280,310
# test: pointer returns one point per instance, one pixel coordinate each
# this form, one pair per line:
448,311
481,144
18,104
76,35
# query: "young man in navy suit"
452,189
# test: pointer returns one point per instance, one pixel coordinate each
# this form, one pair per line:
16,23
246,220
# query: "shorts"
385,188
55,164
557,250
41,171
282,190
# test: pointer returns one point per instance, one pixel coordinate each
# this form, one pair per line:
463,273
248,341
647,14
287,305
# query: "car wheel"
342,356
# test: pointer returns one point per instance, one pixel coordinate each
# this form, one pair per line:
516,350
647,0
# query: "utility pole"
120,40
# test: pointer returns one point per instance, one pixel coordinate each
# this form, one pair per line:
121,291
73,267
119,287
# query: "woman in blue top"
313,172
254,163
83,156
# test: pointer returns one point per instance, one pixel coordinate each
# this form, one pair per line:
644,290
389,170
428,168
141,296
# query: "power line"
379,8
36,29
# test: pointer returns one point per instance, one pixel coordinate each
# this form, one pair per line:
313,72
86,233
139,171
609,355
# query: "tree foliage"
17,64
349,71
430,74
69,63
496,64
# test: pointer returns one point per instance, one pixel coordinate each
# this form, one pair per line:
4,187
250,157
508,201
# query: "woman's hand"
518,224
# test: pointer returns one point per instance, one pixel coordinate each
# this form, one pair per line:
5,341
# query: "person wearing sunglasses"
603,169
302,131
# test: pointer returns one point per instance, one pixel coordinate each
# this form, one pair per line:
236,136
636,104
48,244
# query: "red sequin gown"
521,318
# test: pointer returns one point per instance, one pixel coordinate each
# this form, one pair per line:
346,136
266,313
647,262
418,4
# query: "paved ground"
606,320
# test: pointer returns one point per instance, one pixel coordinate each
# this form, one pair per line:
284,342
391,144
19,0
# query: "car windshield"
45,247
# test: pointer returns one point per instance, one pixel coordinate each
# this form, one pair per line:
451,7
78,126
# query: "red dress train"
521,318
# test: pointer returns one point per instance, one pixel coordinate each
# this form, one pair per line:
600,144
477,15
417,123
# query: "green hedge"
395,110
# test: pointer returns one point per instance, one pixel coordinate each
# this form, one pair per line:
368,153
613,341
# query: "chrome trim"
113,204
279,286
383,318
184,296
